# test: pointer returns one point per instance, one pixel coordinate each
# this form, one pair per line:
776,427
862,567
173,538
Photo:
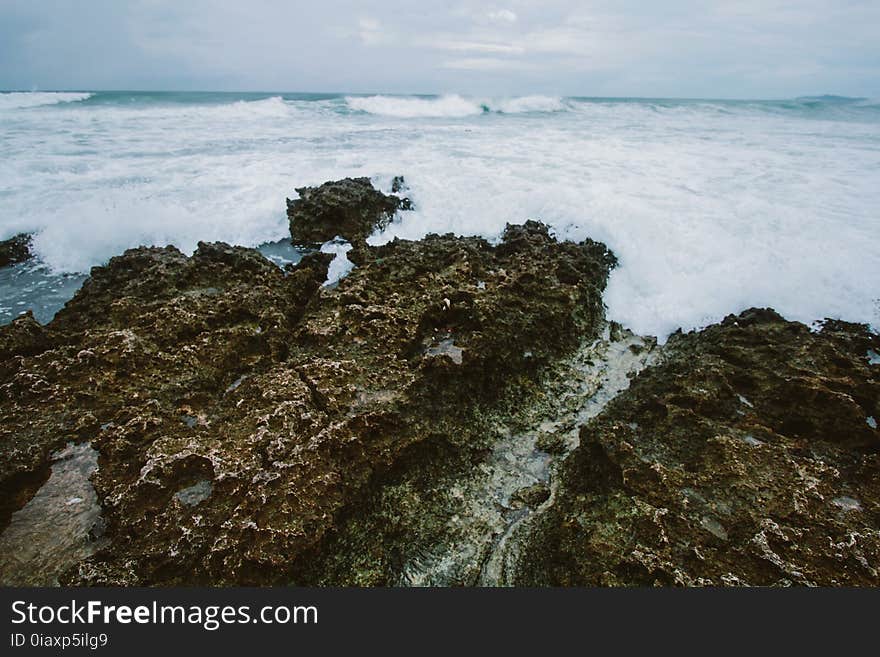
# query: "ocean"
711,206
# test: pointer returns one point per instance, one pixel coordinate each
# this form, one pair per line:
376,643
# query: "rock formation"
749,456
350,208
239,410
452,412
15,249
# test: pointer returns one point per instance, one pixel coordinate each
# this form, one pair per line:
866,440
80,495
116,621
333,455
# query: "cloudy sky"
745,49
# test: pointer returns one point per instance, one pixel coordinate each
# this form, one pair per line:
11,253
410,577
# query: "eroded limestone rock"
350,208
744,457
240,410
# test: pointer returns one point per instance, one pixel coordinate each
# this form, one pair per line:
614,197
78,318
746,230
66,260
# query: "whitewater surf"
710,206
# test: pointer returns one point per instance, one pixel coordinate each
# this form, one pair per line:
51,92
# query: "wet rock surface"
24,336
15,249
445,520
242,412
743,458
350,208
58,527
451,412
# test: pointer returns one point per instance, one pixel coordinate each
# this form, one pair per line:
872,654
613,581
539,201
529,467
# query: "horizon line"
429,94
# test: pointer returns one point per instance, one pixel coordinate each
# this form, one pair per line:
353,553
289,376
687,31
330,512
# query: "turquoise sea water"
711,206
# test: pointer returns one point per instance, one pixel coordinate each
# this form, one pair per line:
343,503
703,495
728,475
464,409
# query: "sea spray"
710,206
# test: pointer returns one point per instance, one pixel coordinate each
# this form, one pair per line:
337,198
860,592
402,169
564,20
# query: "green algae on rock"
438,518
744,457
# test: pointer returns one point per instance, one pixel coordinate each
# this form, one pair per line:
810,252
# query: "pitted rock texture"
747,457
350,208
151,329
240,410
24,336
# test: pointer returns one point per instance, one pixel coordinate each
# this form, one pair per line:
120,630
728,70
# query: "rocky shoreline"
452,412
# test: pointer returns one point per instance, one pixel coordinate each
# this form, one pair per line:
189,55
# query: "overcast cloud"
746,49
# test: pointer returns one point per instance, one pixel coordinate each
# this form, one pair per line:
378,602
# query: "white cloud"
371,33
563,40
486,64
501,16
749,48
475,46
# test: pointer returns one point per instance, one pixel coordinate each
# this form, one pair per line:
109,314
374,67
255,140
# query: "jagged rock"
748,456
15,249
147,315
280,402
24,336
350,208
256,427
24,465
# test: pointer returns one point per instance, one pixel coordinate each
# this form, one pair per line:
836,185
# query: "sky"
677,48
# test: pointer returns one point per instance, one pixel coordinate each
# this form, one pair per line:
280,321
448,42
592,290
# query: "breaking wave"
453,106
24,99
710,206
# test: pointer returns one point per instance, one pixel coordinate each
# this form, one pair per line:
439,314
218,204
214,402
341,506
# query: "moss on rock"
284,400
746,457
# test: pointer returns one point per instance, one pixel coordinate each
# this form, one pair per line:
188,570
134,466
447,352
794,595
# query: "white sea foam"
710,207
273,107
23,99
409,107
340,266
90,231
528,104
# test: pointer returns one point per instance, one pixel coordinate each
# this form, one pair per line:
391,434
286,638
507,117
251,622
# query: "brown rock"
15,249
277,401
747,457
350,208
